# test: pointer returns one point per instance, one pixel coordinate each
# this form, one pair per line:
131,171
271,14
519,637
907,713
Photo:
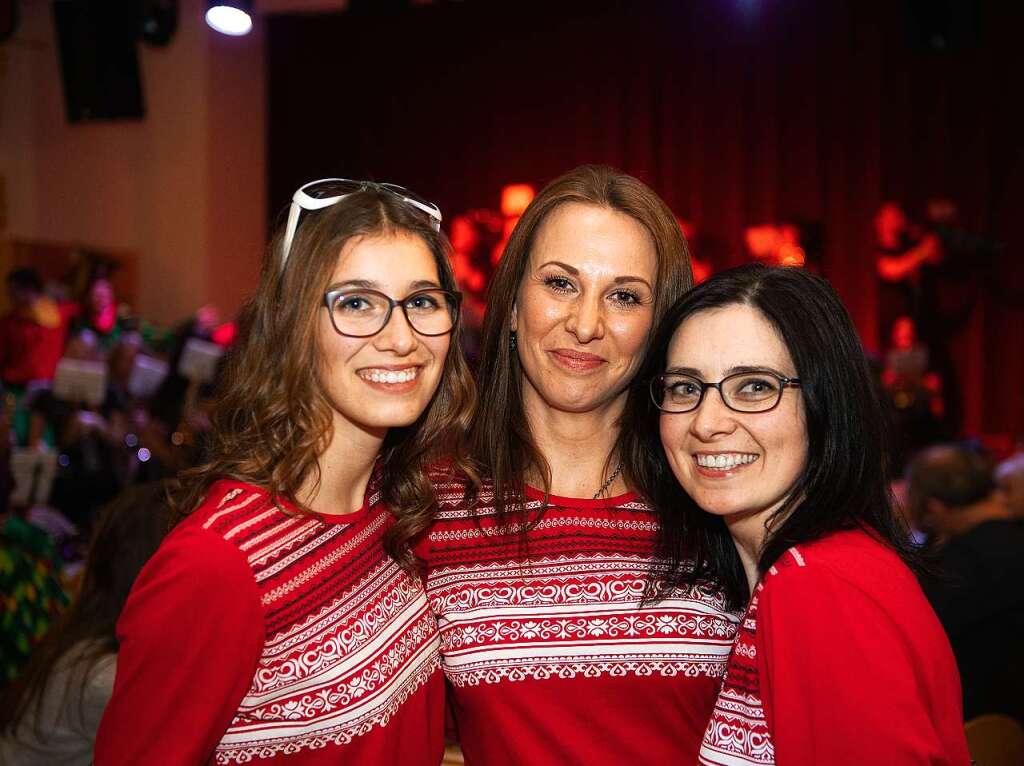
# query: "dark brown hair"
272,420
500,440
126,535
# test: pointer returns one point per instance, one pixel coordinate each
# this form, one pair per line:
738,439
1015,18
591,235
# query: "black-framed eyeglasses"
360,313
753,391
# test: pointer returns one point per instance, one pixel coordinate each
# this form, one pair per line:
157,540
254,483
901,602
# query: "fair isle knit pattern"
348,636
568,607
738,734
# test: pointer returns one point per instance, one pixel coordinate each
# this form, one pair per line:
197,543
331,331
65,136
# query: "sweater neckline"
581,502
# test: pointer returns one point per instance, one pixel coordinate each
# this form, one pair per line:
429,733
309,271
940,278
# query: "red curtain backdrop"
738,112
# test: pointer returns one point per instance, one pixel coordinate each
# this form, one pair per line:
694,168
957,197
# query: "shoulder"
850,572
210,544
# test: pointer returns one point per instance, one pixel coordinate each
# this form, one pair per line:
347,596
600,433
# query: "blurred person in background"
1009,477
33,332
99,312
50,713
976,589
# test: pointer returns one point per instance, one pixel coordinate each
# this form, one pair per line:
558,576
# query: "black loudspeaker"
8,19
99,60
158,21
943,25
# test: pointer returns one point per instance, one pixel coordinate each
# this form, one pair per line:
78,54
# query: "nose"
397,335
712,418
586,319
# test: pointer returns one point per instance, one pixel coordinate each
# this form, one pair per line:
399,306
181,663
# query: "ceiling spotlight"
230,17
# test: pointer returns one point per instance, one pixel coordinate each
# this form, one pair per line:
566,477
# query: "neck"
345,468
576,446
964,520
748,535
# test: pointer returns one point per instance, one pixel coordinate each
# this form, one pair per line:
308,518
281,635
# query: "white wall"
184,188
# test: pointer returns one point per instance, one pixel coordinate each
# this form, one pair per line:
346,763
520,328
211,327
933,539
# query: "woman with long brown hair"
49,714
543,577
273,622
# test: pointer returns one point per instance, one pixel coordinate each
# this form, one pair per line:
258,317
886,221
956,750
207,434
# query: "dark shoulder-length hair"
272,419
128,532
500,440
845,481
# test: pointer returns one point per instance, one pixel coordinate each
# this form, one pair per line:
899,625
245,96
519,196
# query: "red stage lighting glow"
515,198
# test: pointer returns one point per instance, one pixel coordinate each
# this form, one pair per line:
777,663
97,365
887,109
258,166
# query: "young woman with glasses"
282,617
772,482
539,576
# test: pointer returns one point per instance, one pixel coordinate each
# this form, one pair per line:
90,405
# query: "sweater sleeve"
190,639
839,681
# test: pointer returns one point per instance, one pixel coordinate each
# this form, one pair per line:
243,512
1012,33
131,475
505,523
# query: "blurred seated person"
99,313
50,714
1009,477
172,434
914,390
976,589
90,441
33,332
904,257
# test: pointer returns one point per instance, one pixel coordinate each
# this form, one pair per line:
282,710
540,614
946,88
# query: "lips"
576,360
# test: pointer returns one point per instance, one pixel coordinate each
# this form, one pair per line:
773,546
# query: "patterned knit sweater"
550,656
839,660
256,634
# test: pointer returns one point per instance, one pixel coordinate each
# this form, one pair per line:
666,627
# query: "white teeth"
726,461
389,376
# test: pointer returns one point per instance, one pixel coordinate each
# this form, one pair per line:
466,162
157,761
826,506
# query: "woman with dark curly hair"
282,616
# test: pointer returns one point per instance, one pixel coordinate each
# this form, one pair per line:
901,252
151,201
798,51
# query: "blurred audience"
979,569
50,714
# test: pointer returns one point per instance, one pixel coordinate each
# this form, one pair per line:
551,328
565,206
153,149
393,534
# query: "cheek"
672,429
631,333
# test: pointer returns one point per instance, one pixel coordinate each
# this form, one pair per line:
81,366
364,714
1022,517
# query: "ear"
514,321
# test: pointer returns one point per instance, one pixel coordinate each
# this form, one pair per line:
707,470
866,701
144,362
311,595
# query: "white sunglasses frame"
302,201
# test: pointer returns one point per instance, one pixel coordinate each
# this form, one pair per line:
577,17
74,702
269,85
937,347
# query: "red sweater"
550,657
255,636
839,660
29,350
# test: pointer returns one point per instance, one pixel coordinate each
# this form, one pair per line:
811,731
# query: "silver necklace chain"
611,480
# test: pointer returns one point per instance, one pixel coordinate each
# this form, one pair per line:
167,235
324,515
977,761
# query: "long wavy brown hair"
500,441
272,420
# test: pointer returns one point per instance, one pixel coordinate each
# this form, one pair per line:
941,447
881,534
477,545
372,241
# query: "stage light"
230,17
515,198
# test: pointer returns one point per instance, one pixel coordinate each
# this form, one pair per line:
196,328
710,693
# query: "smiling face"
584,308
388,379
734,464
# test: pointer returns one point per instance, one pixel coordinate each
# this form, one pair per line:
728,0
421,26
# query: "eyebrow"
618,280
738,369
369,284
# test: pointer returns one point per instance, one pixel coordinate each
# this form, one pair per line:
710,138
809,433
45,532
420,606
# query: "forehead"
584,235
715,340
392,261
